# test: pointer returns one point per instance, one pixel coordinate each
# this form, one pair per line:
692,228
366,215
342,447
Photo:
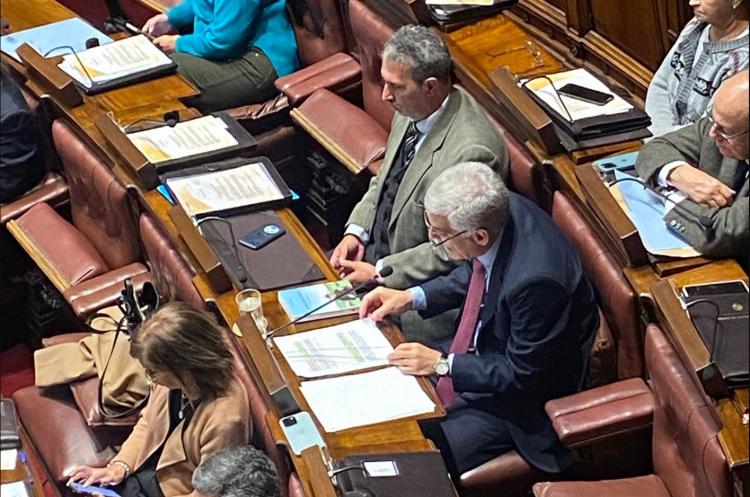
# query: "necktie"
466,328
410,143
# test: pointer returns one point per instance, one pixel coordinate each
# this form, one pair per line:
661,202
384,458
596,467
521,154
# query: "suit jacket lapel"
422,160
496,277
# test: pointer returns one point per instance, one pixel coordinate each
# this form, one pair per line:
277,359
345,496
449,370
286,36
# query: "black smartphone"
260,237
723,288
586,94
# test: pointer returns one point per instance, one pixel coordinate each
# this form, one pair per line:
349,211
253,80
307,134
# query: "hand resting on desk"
701,187
383,302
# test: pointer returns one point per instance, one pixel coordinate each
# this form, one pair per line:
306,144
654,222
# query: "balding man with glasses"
704,168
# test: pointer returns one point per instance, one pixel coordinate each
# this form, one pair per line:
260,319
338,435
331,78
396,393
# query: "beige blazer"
462,133
215,425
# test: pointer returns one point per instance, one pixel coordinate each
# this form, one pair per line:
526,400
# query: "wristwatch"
442,367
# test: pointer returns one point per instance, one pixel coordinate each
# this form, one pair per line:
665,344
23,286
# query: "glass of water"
249,302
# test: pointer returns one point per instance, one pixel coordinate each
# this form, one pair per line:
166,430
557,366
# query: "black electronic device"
585,94
723,288
260,237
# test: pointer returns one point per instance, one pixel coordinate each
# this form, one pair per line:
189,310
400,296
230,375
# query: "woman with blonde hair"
197,406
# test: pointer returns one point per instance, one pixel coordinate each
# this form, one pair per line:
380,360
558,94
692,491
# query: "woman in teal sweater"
235,52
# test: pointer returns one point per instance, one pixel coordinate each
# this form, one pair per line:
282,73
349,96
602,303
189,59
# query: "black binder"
731,345
127,80
9,435
452,17
419,474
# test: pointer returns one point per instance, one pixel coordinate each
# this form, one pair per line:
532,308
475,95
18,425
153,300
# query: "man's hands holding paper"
701,187
383,302
415,359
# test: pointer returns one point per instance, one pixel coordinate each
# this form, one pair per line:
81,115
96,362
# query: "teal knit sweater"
226,29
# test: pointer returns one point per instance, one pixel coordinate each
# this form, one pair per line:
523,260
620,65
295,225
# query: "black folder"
9,435
730,347
128,79
452,17
419,474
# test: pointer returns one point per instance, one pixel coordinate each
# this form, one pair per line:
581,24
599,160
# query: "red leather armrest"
101,291
53,189
603,411
337,72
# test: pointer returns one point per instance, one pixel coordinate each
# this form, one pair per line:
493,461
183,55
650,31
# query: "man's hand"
166,43
701,187
415,359
383,302
156,26
350,249
357,272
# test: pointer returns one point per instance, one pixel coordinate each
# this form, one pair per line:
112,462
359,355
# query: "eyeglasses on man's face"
721,132
435,239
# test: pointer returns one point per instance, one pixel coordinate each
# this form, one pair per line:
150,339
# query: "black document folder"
128,79
281,263
413,474
452,17
730,346
9,435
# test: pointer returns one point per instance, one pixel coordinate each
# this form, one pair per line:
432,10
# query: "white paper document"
578,109
114,60
186,138
15,489
8,458
343,348
365,399
226,189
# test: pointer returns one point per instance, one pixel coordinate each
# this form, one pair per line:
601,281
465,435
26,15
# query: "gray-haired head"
422,51
237,472
471,196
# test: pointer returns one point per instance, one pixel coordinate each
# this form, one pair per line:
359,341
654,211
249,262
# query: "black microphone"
705,222
92,42
708,374
384,272
241,273
170,118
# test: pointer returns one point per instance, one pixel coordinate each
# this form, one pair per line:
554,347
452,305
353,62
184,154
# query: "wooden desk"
23,471
733,436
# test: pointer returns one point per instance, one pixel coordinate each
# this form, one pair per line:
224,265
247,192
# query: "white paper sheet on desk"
8,458
338,349
114,60
365,399
646,210
73,31
186,138
14,489
578,109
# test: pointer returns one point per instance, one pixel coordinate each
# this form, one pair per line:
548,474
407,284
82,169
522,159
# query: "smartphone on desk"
260,237
301,432
91,489
578,92
707,290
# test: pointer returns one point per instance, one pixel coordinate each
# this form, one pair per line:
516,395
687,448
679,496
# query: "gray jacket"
728,234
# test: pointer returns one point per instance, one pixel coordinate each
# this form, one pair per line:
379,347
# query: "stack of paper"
374,397
336,349
186,138
114,60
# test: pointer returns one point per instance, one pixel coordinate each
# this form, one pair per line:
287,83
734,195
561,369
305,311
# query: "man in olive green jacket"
704,168
436,126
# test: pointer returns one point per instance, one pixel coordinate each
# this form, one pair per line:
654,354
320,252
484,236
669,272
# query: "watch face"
442,367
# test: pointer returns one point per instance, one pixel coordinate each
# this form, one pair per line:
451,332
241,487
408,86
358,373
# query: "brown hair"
188,343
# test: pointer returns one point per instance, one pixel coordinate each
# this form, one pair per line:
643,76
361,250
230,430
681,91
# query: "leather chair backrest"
99,205
318,28
524,172
371,32
686,451
172,275
262,436
617,299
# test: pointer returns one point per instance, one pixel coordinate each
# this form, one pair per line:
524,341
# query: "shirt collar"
425,125
488,258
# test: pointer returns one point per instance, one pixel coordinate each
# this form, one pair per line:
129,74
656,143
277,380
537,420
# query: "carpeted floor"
16,369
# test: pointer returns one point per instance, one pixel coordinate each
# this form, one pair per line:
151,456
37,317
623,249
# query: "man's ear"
482,237
429,86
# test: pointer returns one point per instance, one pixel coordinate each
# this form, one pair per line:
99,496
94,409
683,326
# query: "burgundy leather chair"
619,323
100,248
355,137
688,460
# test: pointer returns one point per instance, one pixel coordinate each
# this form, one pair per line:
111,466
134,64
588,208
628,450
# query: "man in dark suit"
704,168
21,165
526,327
436,126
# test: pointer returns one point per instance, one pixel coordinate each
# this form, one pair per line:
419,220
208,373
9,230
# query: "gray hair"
422,50
471,195
237,472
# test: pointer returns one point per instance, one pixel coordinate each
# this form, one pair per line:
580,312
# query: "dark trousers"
245,80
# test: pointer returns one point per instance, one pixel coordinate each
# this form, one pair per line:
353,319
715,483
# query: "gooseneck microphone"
241,273
384,272
705,222
170,118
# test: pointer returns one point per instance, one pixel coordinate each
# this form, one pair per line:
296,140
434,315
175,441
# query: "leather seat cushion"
61,244
53,189
615,408
103,290
343,127
59,432
508,475
642,486
335,73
